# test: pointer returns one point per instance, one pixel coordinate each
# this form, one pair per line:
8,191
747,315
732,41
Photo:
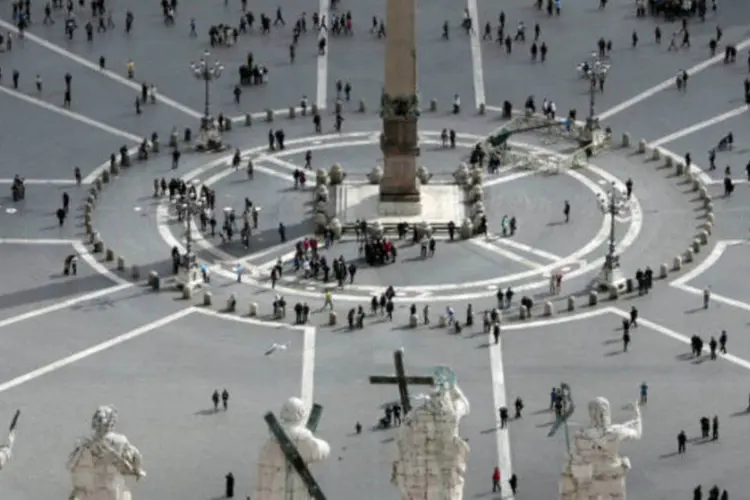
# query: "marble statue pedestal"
437,204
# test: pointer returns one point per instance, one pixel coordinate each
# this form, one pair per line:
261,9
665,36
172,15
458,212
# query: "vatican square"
122,291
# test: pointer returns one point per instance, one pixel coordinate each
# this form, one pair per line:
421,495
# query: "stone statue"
6,450
595,470
277,479
431,456
100,463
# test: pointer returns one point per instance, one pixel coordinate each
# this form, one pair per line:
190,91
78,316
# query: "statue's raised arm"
6,450
632,429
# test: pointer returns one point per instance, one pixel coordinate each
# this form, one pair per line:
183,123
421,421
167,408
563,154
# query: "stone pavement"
72,343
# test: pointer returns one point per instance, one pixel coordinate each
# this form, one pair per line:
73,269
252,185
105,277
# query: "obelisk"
399,191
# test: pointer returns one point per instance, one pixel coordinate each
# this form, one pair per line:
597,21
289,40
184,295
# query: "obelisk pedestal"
399,188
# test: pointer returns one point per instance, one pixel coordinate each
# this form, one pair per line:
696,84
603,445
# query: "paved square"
73,343
162,383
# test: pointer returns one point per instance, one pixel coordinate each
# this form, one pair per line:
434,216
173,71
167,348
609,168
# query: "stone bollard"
269,115
248,120
231,303
106,176
677,263
696,245
656,154
688,256
252,309
89,228
413,320
696,185
707,201
707,227
135,273
702,192
120,264
433,105
442,321
187,292
362,108
332,318
292,112
703,237
679,169
482,109
709,207
614,293
710,216
668,162
207,299
593,298
523,312
549,309
87,217
571,304
98,244
642,146
227,125
663,271
626,140
109,255
98,184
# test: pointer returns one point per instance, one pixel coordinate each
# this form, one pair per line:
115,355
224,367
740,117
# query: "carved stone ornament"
395,107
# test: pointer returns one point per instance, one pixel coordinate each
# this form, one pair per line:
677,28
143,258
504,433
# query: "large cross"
567,410
294,459
402,380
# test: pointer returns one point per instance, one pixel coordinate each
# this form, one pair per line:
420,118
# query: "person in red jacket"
496,480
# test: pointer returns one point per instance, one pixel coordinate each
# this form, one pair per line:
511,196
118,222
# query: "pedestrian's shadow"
669,455
694,310
614,353
742,413
206,412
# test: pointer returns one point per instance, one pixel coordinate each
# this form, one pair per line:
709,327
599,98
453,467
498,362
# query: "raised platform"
438,204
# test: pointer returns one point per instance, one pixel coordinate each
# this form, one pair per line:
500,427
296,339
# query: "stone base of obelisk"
400,205
436,204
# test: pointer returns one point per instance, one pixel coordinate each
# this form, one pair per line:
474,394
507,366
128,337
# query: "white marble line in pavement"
681,283
36,241
744,109
43,182
500,399
96,349
523,247
97,266
308,345
476,54
71,114
322,69
63,305
678,336
481,243
28,36
667,83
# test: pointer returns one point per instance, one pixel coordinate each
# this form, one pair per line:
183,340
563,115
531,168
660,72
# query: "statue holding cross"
282,465
430,455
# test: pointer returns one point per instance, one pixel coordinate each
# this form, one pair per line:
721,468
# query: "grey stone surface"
165,406
160,380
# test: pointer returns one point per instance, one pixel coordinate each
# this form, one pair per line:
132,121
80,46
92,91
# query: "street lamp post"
208,72
614,204
597,72
191,207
